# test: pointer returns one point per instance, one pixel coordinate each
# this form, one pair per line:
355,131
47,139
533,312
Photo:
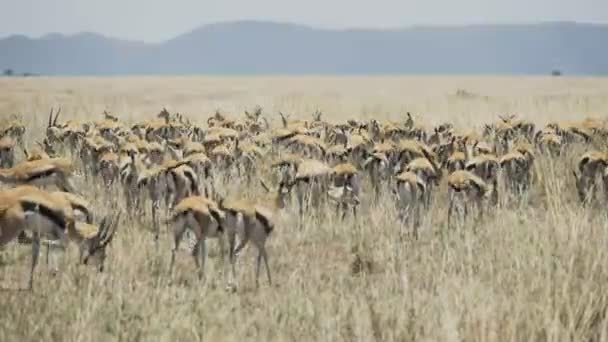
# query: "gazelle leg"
416,220
35,253
206,190
236,252
265,257
178,234
155,223
203,256
48,254
480,208
51,257
232,254
212,188
128,201
450,212
222,256
257,268
241,245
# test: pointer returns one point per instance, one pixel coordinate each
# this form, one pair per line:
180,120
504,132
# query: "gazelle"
54,133
590,165
14,129
465,188
108,168
7,152
311,182
42,172
345,188
83,216
549,143
93,240
183,182
130,169
517,166
410,197
486,166
427,169
29,208
378,167
252,221
203,217
94,244
80,209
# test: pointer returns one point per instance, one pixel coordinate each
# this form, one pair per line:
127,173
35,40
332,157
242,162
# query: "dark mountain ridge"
252,47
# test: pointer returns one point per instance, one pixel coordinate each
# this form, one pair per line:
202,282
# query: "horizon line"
311,27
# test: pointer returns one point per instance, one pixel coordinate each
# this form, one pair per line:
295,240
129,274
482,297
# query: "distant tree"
8,72
556,72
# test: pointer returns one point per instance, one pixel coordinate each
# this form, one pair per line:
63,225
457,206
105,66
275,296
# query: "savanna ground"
536,271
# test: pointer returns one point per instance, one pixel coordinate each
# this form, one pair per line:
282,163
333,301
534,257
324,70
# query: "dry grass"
534,272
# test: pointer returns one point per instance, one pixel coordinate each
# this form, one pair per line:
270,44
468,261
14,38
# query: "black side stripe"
265,222
193,183
44,211
37,176
174,178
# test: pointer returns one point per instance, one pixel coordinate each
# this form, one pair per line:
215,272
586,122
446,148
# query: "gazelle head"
94,250
284,119
281,193
445,150
316,116
7,152
581,187
15,129
409,122
438,173
46,146
53,131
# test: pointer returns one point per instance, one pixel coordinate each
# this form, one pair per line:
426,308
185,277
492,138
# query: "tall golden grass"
535,271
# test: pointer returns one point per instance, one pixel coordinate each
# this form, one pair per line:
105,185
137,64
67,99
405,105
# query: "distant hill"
250,47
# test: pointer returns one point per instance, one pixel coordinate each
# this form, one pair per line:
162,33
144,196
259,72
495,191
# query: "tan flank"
29,208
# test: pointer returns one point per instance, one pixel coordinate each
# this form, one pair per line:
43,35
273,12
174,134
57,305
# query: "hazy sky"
154,20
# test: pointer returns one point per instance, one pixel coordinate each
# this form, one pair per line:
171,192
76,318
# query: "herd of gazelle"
169,165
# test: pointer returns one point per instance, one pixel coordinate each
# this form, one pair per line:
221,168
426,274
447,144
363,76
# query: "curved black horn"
56,116
50,117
